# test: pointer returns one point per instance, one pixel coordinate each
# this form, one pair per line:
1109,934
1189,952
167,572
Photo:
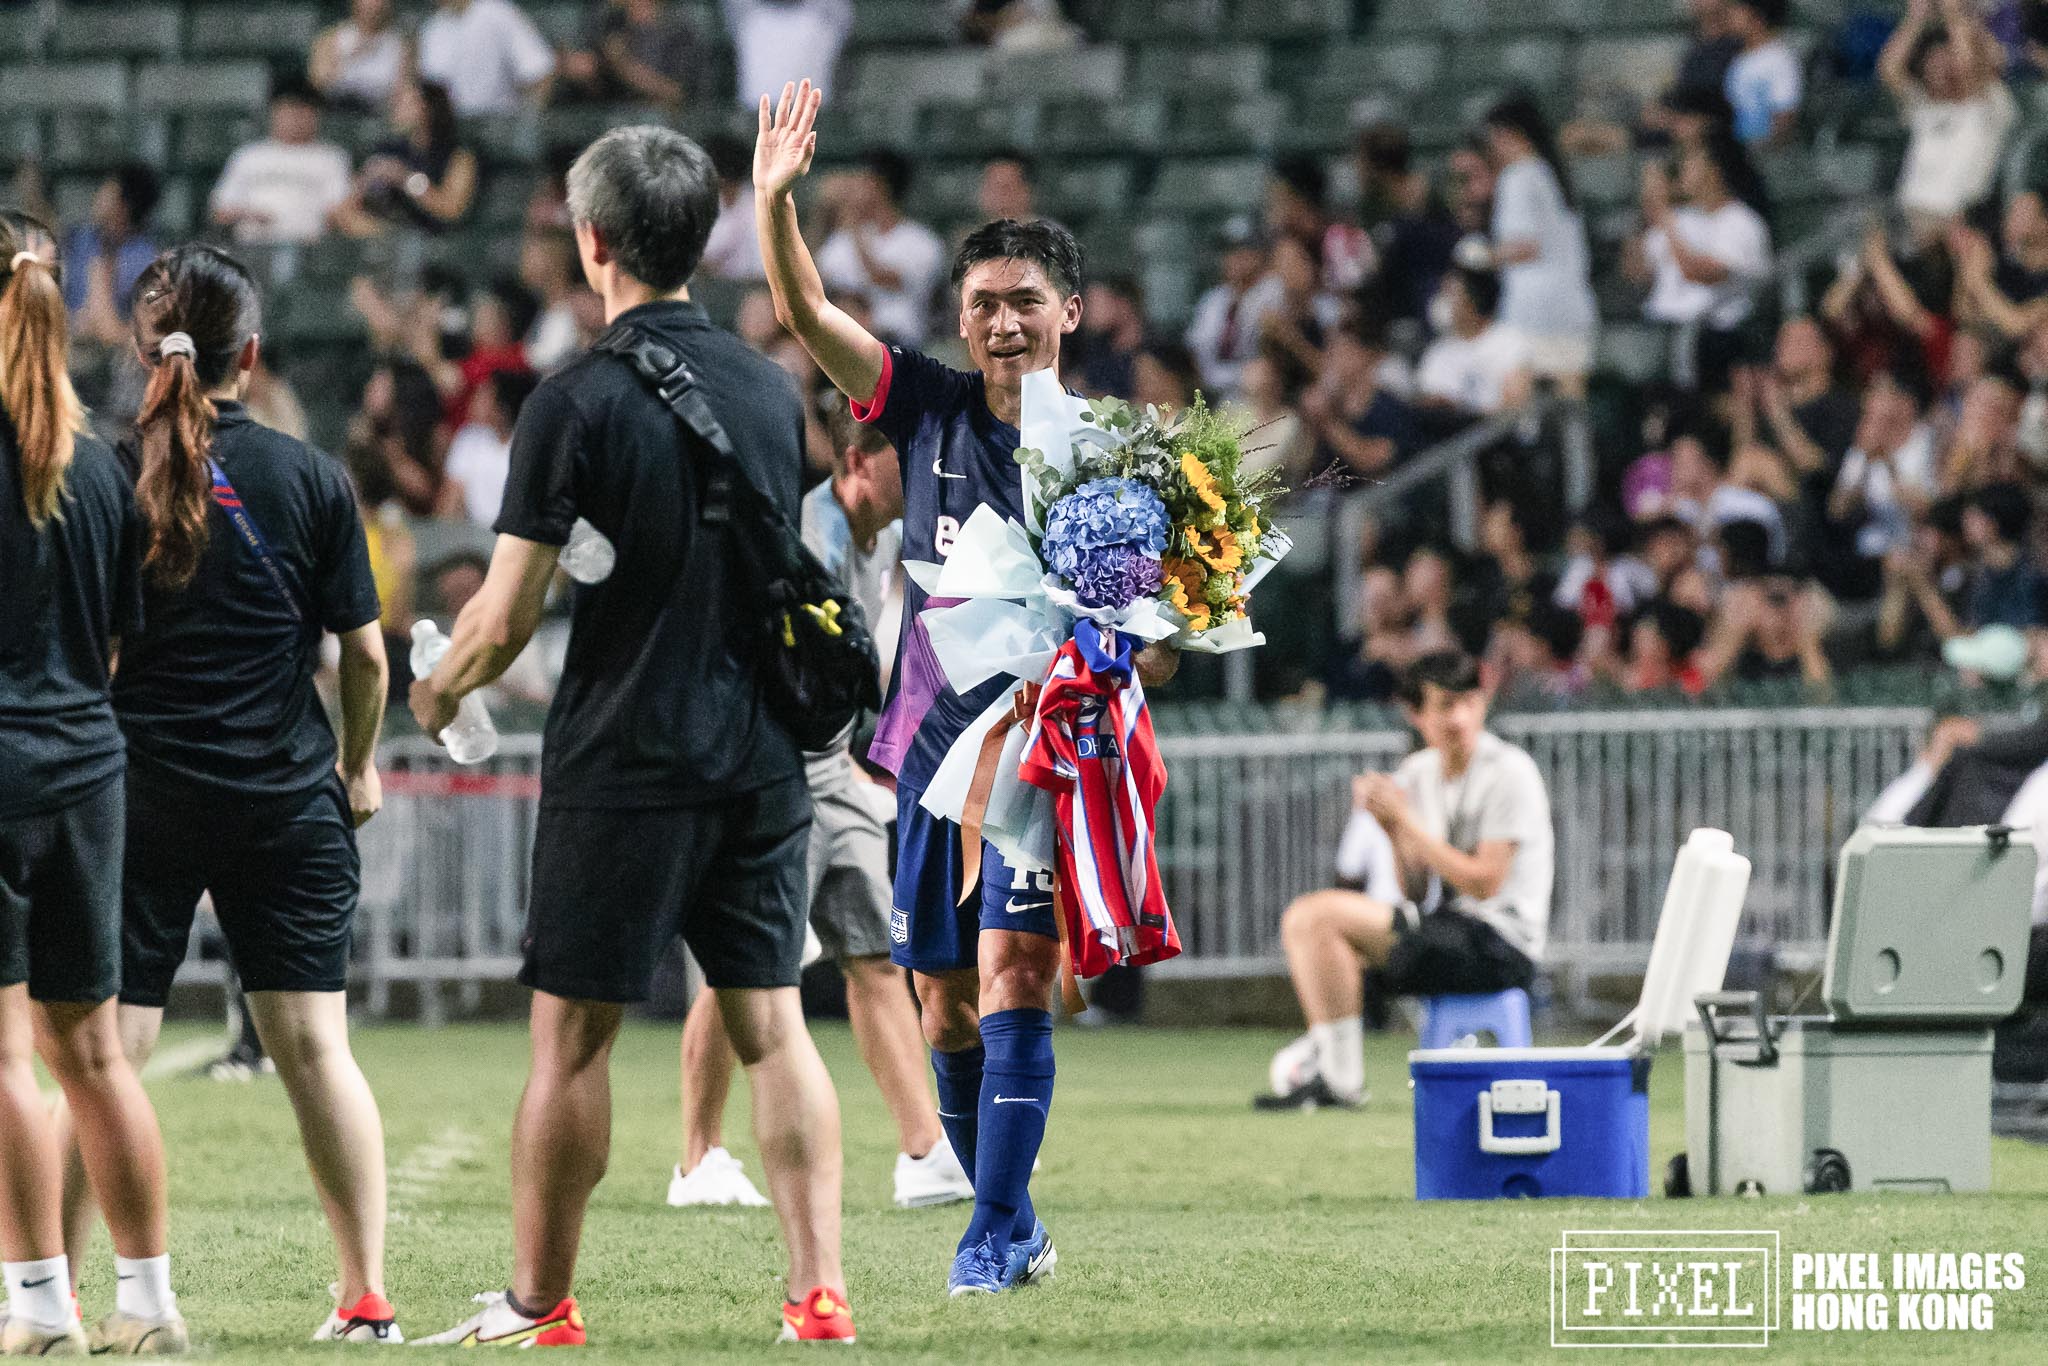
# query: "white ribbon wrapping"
1013,618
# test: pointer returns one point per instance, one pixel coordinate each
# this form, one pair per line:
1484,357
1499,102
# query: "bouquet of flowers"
1150,507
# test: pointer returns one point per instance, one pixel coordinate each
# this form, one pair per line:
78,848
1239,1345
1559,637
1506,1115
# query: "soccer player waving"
984,970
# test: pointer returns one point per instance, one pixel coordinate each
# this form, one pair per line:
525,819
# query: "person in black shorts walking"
70,561
671,800
235,786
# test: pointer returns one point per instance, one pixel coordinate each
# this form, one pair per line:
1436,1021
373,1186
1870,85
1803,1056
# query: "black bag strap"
664,370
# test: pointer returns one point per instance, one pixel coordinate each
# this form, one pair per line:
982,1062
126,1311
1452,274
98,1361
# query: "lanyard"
231,503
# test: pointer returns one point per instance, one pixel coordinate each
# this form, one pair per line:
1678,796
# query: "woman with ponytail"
236,787
1539,246
70,567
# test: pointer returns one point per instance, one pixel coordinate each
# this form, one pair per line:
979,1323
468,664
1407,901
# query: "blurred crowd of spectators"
1799,496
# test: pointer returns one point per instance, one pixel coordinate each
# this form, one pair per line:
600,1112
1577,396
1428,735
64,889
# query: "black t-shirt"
654,708
215,693
66,592
1415,252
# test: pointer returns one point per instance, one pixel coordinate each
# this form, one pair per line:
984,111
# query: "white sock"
144,1286
1340,1054
41,1291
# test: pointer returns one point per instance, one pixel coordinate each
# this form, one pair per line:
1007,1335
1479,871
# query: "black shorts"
613,886
60,899
284,877
1450,953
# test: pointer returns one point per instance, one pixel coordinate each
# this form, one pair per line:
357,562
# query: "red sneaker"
821,1316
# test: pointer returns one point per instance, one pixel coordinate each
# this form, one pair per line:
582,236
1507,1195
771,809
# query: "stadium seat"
976,128
945,190
910,78
1350,69
1536,64
505,139
1643,66
1198,124
1099,72
117,31
1267,21
1636,352
1606,182
1503,1014
1066,188
1215,72
203,85
22,32
1205,186
1613,16
898,23
562,24
1147,21
74,85
282,31
1071,127
83,140
206,143
1491,17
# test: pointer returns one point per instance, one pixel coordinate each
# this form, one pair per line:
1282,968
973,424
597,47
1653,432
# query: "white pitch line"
182,1057
425,1167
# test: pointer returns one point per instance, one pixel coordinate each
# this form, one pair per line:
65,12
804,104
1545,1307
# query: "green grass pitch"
1189,1228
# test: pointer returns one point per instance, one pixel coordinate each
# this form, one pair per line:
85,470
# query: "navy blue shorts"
929,930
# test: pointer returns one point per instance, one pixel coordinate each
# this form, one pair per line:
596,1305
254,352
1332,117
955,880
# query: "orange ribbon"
1023,707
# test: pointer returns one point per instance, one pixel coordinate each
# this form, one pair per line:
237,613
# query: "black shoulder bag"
808,638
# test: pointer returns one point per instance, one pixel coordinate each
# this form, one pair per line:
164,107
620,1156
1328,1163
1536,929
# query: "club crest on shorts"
899,927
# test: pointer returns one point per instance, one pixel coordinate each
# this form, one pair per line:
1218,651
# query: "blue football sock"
1016,1094
959,1077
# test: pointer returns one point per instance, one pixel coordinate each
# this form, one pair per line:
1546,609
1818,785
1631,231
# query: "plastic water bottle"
589,556
471,738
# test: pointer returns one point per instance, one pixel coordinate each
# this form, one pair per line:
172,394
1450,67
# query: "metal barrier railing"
1249,822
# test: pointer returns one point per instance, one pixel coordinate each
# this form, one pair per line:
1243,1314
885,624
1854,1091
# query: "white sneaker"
719,1178
132,1335
498,1324
22,1338
1293,1066
934,1179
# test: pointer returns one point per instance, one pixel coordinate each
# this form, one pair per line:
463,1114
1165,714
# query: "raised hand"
788,139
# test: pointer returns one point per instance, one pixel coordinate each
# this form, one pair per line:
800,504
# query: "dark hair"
1125,287
1745,548
521,305
844,428
2002,366
1772,12
1482,287
35,383
2008,507
206,295
1660,526
1519,113
1304,176
1454,671
1174,358
415,407
441,130
1560,629
139,189
730,156
652,196
1910,379
1730,160
1386,148
1934,36
510,389
296,90
891,168
1610,527
1041,241
1682,628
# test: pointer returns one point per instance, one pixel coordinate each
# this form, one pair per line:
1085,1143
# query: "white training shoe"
934,1179
370,1321
719,1178
22,1338
1293,1066
132,1335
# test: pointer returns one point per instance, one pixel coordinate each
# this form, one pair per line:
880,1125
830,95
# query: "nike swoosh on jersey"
938,468
1016,907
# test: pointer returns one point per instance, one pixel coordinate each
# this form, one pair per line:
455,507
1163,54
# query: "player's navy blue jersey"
956,455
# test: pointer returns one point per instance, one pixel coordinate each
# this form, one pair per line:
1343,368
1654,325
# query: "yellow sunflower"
1204,484
1184,582
1221,552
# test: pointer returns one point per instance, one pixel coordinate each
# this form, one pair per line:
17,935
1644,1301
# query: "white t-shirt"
733,250
913,251
295,184
781,41
553,339
1734,235
486,54
1550,295
370,63
1224,335
1953,153
1472,372
1911,469
1761,84
479,460
1499,796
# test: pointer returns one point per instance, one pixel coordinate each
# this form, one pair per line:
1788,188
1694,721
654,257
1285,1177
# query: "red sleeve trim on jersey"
872,409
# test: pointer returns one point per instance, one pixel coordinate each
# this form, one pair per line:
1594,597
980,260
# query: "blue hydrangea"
1115,576
1102,537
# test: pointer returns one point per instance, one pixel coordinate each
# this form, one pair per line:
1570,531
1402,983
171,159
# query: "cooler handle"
1710,1004
1520,1098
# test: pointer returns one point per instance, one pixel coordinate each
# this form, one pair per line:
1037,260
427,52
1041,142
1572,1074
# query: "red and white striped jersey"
1091,746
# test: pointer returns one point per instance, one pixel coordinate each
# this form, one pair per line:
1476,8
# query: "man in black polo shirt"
670,800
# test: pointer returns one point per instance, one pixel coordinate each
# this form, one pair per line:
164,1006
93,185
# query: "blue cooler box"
1523,1122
